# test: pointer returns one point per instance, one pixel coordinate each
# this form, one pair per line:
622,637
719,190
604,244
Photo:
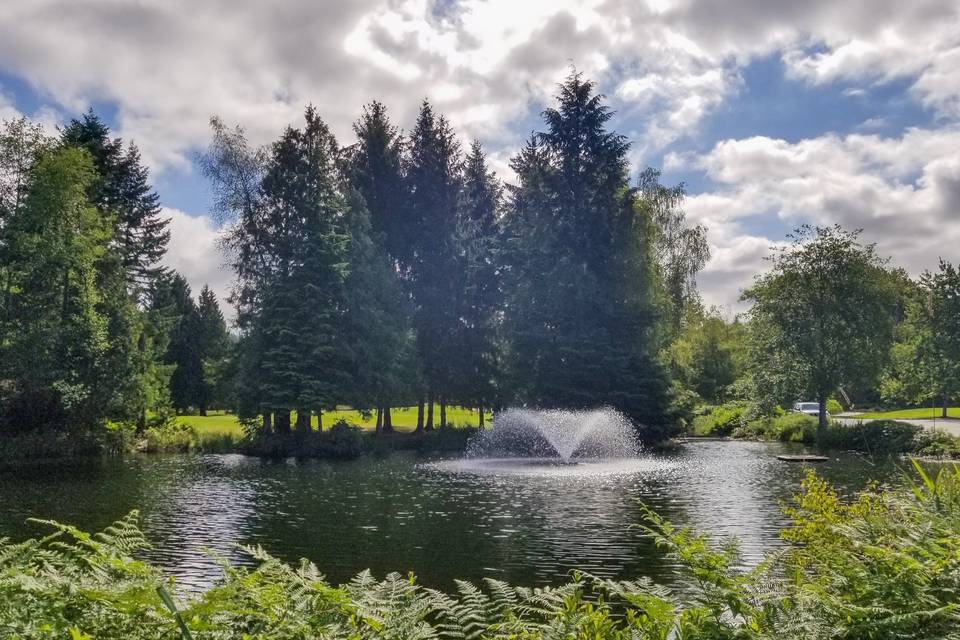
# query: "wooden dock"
802,458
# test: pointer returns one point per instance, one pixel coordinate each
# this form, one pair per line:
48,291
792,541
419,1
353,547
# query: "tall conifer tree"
580,309
122,191
434,180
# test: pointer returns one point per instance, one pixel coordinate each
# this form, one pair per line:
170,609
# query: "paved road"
950,425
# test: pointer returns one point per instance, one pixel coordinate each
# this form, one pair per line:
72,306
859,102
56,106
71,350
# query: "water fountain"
554,442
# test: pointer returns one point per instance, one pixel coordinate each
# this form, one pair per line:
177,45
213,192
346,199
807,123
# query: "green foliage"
722,420
680,251
884,565
823,316
68,353
580,276
122,193
708,356
873,437
833,406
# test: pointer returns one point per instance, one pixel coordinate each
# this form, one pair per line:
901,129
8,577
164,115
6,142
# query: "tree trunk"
379,428
443,412
203,409
303,420
420,415
822,418
945,403
142,352
480,419
267,425
281,420
387,420
429,425
319,420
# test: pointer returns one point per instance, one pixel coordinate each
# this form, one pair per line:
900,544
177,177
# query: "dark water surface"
407,514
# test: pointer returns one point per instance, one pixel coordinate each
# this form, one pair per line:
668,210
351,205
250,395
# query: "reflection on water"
440,520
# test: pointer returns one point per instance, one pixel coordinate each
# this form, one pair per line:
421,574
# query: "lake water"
405,513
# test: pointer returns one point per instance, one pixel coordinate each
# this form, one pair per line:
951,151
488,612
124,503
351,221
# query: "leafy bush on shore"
885,565
874,437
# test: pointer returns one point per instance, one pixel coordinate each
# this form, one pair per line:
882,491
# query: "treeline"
399,271
831,322
92,329
395,270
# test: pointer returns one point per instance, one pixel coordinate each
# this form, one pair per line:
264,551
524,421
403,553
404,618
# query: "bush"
936,444
722,420
787,427
170,437
885,565
873,437
834,407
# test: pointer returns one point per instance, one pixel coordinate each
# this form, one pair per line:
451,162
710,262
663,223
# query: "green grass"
404,419
926,413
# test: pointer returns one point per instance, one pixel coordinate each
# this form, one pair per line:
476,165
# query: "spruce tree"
480,295
433,178
123,193
214,347
172,303
300,364
377,313
580,309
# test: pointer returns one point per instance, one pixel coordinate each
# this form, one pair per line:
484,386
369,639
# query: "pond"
403,513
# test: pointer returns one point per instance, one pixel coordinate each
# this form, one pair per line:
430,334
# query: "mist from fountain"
556,434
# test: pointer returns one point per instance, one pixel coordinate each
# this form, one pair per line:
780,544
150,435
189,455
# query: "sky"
774,113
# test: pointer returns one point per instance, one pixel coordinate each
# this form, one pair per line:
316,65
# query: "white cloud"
169,64
904,192
195,254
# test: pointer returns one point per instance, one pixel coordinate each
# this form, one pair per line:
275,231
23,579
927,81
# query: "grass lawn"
404,419
927,413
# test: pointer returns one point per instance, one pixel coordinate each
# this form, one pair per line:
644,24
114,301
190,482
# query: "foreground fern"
886,565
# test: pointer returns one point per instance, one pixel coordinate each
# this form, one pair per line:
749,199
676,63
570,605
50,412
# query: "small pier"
803,457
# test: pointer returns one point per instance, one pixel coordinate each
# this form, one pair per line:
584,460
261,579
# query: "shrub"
936,444
785,427
873,437
834,407
170,437
721,420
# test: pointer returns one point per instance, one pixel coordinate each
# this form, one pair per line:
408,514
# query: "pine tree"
580,308
375,170
433,178
123,193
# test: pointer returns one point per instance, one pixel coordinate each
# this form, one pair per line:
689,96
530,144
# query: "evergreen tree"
433,178
172,303
291,257
580,308
375,170
70,358
480,294
122,191
214,347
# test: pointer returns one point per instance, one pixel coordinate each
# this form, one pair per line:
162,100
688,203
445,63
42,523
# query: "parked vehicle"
809,408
